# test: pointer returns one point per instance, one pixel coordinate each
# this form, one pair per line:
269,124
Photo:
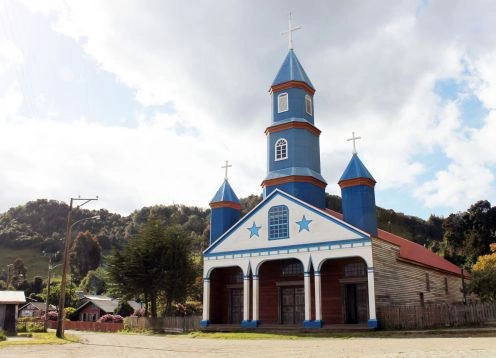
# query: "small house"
9,303
35,309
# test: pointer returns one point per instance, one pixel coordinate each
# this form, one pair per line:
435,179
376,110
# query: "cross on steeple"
354,139
290,31
227,166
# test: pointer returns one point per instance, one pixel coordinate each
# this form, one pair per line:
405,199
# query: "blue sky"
141,102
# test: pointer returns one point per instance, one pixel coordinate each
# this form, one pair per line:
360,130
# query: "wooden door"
236,306
356,303
292,305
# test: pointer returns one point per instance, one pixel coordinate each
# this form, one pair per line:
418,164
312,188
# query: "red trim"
225,204
293,179
290,125
291,84
355,182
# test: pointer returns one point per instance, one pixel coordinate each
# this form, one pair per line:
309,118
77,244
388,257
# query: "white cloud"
375,69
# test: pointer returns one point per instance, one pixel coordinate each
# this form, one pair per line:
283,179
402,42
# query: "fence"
436,315
166,324
89,326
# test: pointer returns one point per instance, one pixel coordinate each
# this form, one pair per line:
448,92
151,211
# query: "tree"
155,262
86,255
124,309
94,282
483,280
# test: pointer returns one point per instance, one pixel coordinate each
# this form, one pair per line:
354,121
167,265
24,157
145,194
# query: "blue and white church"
291,261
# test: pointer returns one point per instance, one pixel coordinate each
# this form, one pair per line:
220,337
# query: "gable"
307,226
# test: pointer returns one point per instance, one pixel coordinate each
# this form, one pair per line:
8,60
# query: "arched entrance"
281,284
345,296
226,295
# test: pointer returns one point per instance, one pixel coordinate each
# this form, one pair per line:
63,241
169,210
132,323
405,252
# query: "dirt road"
107,345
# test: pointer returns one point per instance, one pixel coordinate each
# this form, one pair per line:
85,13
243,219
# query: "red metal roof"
411,251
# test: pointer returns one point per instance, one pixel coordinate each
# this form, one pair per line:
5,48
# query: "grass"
39,338
35,262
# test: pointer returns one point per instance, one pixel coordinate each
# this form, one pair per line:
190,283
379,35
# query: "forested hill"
41,225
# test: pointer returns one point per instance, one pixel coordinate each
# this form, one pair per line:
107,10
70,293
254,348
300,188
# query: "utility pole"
67,244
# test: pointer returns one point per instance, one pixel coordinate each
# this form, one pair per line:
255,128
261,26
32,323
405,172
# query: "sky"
141,102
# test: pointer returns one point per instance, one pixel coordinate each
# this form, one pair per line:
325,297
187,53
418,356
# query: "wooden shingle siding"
398,282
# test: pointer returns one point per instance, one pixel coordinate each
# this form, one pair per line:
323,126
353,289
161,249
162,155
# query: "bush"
69,313
110,318
140,312
30,324
52,316
2,335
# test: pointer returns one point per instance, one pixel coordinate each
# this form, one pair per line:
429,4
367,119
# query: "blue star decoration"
304,224
254,230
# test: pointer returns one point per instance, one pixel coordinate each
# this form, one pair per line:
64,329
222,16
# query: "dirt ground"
107,345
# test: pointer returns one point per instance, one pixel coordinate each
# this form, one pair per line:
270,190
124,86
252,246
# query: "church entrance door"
236,304
356,303
292,305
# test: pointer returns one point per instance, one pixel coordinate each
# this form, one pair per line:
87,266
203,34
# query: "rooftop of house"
12,297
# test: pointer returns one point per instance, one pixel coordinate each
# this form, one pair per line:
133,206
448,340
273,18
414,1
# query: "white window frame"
282,106
308,104
281,149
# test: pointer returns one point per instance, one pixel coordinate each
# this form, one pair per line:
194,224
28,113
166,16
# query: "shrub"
110,318
52,316
140,312
2,335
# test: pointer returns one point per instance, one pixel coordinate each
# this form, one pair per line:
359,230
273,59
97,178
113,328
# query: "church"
292,261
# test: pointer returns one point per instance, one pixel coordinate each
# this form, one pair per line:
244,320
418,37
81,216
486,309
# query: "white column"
246,298
371,289
206,299
318,303
255,298
306,281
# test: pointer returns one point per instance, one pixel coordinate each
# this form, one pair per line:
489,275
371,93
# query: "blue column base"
373,324
204,323
313,324
250,324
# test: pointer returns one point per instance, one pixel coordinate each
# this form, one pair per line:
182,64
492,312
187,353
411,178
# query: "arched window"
278,222
308,104
282,102
281,149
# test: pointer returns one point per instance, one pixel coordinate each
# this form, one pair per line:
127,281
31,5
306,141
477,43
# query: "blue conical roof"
291,70
225,193
356,169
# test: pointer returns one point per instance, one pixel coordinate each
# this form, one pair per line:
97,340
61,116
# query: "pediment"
307,226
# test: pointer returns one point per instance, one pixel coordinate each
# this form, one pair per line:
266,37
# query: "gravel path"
107,345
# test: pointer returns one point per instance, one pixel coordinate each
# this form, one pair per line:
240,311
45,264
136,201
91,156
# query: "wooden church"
291,261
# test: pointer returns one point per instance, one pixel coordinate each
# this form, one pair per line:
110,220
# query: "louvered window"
282,102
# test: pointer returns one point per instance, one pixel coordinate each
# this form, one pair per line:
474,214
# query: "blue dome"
291,70
356,169
225,193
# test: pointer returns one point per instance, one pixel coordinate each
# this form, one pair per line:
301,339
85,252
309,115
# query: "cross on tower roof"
227,166
354,139
290,31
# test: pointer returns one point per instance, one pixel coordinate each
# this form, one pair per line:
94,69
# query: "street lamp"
61,316
50,269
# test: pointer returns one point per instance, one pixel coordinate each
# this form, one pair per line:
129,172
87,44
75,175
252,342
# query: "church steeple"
357,193
226,209
293,149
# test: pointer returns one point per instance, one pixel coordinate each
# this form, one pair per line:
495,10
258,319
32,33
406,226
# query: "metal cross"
227,166
354,139
290,31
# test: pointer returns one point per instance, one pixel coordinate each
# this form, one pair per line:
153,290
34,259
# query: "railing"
164,324
436,315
